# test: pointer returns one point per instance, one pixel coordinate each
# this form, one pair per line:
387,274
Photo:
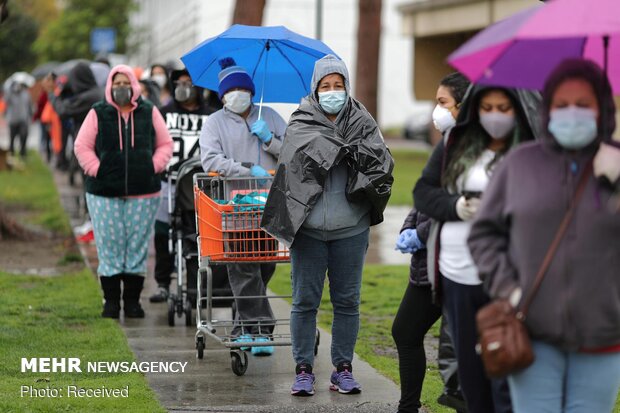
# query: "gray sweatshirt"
578,303
226,142
19,106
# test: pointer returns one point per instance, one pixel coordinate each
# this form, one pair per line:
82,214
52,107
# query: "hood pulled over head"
327,65
135,85
591,73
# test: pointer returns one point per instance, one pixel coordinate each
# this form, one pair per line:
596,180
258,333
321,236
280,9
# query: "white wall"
173,27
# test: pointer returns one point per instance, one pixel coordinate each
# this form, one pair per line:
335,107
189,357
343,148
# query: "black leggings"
415,316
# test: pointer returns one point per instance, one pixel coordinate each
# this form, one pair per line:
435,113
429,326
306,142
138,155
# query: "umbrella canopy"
65,68
43,70
20,77
522,50
279,61
101,72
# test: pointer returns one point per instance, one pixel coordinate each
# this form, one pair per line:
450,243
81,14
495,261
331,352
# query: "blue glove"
258,171
408,242
261,130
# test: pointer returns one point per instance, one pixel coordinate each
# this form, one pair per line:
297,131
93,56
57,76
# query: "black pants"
164,261
18,130
415,316
482,395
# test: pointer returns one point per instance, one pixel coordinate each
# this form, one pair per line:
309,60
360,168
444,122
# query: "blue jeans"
343,260
563,382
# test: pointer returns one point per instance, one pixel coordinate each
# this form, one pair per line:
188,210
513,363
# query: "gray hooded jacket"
578,304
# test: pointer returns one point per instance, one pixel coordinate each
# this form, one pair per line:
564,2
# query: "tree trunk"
249,12
10,229
368,42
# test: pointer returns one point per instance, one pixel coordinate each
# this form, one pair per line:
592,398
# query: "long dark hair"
457,84
473,140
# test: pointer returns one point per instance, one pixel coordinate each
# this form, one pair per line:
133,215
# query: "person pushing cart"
235,142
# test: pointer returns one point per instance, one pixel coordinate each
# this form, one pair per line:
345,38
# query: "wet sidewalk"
209,384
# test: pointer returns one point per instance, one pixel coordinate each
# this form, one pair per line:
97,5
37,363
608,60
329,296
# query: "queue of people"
487,207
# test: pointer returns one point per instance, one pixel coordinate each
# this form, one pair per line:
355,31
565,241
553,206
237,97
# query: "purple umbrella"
522,50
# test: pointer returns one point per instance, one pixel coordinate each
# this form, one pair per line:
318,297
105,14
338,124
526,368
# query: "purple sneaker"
304,381
342,380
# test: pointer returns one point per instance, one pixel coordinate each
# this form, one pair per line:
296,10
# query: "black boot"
111,287
132,287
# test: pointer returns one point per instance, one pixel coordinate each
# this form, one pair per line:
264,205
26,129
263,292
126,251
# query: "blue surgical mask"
333,101
572,127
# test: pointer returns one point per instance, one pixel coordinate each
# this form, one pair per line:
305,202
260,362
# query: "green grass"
58,317
33,188
382,289
45,317
408,165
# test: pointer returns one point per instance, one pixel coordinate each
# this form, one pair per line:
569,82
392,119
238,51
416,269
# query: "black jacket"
79,95
312,146
418,272
429,195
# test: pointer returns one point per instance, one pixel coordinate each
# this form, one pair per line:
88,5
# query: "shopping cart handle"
271,172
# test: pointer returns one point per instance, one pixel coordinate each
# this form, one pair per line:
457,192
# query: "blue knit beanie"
233,76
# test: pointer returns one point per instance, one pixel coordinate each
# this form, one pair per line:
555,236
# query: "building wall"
439,28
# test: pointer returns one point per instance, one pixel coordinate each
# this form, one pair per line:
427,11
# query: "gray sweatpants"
254,316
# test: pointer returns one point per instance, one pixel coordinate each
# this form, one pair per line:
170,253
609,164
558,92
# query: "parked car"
419,125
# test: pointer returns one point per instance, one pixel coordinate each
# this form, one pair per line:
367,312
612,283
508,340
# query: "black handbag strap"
585,175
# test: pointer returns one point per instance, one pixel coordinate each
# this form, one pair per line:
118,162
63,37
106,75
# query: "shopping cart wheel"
239,362
188,314
317,341
171,312
200,347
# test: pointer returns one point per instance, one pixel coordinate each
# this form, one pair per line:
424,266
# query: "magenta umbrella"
522,50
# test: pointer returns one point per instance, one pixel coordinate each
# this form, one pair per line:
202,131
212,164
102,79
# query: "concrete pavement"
209,384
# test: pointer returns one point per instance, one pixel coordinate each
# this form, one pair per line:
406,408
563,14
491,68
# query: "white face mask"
160,79
237,101
443,119
497,124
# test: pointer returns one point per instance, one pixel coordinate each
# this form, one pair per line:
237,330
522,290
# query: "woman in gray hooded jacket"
574,318
333,181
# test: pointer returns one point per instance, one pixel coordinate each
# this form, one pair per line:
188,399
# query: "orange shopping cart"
228,215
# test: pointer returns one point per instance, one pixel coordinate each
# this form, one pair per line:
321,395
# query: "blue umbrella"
279,61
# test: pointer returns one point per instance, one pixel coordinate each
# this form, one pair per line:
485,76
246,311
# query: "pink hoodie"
85,142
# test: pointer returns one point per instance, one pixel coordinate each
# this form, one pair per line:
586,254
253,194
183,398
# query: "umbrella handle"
262,89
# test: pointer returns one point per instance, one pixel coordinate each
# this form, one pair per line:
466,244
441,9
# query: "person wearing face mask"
491,122
417,312
184,118
234,141
122,146
333,182
159,76
574,318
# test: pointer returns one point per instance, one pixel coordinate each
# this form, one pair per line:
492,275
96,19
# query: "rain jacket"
80,94
431,198
578,303
317,152
122,152
19,106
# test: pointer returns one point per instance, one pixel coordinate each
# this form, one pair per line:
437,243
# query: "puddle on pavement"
383,238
